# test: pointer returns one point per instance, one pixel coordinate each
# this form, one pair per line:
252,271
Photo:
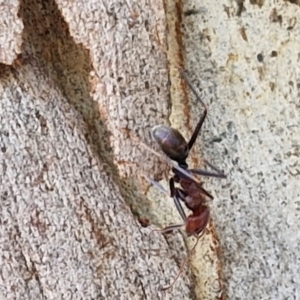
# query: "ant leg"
208,173
182,265
176,201
201,121
196,131
176,197
199,186
171,228
214,168
171,162
174,194
156,184
218,173
167,228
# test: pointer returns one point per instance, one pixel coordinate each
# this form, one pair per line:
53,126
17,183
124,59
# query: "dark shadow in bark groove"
68,65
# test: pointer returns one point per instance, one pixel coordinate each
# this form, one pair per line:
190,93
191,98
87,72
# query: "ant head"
171,142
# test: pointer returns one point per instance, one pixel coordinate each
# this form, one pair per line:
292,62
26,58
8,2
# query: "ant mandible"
191,193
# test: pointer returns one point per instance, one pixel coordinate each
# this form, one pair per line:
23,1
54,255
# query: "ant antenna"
156,184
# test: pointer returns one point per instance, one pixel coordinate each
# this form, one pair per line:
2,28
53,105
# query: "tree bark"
81,85
68,105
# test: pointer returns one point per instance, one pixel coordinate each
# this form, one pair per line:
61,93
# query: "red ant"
191,193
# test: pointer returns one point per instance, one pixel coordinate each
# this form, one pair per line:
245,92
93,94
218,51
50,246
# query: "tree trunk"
79,98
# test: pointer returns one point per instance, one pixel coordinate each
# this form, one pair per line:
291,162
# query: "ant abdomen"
197,222
171,142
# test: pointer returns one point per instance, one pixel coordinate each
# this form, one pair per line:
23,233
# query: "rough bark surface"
244,55
91,80
66,228
11,27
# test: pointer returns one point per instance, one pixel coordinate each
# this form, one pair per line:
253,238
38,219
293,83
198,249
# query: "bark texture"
11,27
67,106
244,55
76,102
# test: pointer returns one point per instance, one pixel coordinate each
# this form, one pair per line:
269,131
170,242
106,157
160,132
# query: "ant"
190,192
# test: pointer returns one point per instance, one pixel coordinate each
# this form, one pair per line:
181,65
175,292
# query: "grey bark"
244,56
66,109
91,80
